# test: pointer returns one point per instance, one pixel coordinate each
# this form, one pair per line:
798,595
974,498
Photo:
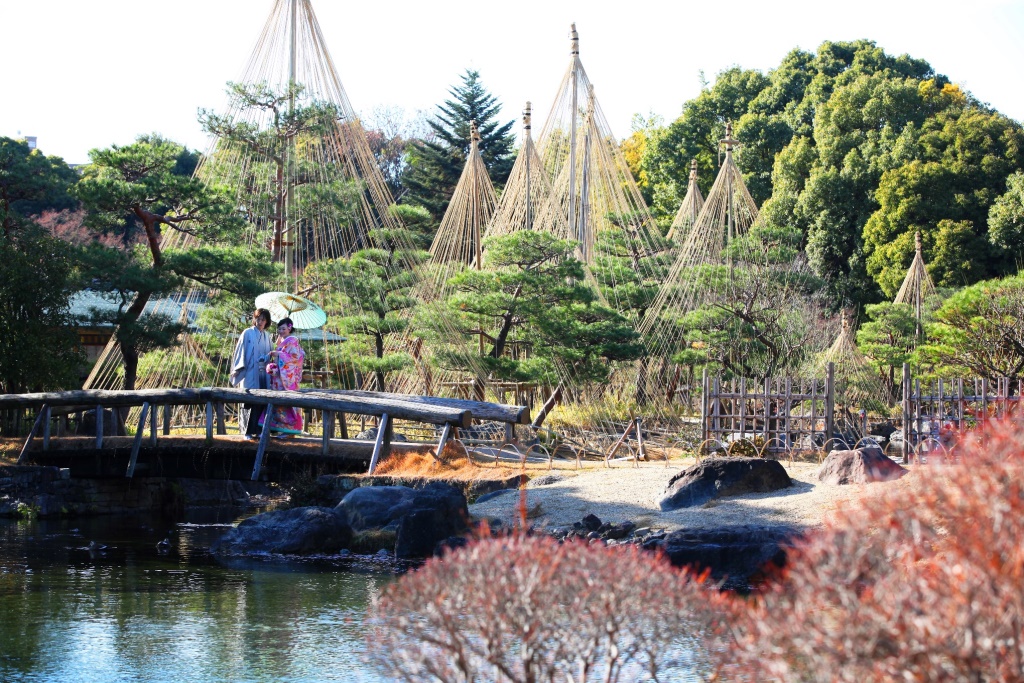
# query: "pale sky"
80,74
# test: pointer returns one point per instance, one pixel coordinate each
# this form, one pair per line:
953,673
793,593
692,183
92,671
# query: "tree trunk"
642,396
379,343
548,406
506,326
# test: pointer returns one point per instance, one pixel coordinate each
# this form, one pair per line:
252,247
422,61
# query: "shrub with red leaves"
924,583
530,609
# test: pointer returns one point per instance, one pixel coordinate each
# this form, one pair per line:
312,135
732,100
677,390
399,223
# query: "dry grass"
454,466
10,447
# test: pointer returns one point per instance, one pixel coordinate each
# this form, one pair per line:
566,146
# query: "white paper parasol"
305,314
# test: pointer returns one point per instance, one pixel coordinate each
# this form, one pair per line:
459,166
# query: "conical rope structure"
917,290
458,243
716,238
457,246
858,388
596,192
857,382
689,210
292,150
526,202
576,186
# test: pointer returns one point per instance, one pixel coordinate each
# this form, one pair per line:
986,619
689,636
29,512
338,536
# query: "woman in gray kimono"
249,368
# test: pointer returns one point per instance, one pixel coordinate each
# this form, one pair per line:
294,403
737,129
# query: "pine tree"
435,165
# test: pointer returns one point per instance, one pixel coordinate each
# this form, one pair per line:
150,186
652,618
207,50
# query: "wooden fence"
937,413
778,415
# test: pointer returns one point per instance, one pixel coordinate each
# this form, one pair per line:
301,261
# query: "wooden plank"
31,434
481,410
108,398
152,426
743,408
906,413
360,405
641,453
167,419
622,440
343,425
382,446
137,442
830,404
46,427
262,448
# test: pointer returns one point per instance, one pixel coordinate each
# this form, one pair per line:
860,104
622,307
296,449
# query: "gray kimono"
249,361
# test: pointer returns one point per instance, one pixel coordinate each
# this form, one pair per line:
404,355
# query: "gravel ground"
624,493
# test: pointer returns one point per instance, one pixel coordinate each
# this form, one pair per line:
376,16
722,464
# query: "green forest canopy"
858,150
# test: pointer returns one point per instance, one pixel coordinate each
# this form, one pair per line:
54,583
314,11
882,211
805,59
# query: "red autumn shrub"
923,583
530,609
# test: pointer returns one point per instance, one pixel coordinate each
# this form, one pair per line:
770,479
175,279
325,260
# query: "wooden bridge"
212,453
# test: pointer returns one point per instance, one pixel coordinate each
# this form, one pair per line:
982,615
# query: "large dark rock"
716,477
299,531
860,466
737,556
423,516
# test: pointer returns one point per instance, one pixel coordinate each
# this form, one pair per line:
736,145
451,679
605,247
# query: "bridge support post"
328,425
31,435
152,426
264,437
343,425
445,433
209,420
222,429
382,448
99,427
139,432
167,419
46,428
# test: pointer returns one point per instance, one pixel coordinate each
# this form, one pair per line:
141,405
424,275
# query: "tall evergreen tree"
435,165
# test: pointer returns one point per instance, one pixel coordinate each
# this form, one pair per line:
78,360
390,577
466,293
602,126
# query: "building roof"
84,302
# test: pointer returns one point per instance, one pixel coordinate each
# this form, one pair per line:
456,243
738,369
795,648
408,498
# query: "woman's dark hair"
261,313
285,321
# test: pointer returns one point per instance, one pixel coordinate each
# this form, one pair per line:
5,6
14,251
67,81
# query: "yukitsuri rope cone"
857,383
458,243
293,150
575,185
689,210
917,290
714,239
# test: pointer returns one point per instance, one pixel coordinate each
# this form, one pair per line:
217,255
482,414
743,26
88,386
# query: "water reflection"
73,610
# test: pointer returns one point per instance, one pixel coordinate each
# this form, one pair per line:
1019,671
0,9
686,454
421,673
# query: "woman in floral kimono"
285,370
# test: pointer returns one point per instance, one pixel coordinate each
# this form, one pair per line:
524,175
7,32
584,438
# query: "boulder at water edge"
717,477
736,555
859,466
422,517
298,531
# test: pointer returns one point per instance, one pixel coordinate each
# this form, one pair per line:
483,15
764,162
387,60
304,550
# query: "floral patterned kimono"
285,374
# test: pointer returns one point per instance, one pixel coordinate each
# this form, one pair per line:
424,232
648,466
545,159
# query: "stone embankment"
31,491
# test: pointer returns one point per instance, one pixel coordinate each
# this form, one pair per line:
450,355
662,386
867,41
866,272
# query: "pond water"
72,610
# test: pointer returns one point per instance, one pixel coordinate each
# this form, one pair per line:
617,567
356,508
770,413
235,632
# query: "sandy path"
627,493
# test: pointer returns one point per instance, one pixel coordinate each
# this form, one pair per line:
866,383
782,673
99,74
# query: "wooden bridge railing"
449,413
